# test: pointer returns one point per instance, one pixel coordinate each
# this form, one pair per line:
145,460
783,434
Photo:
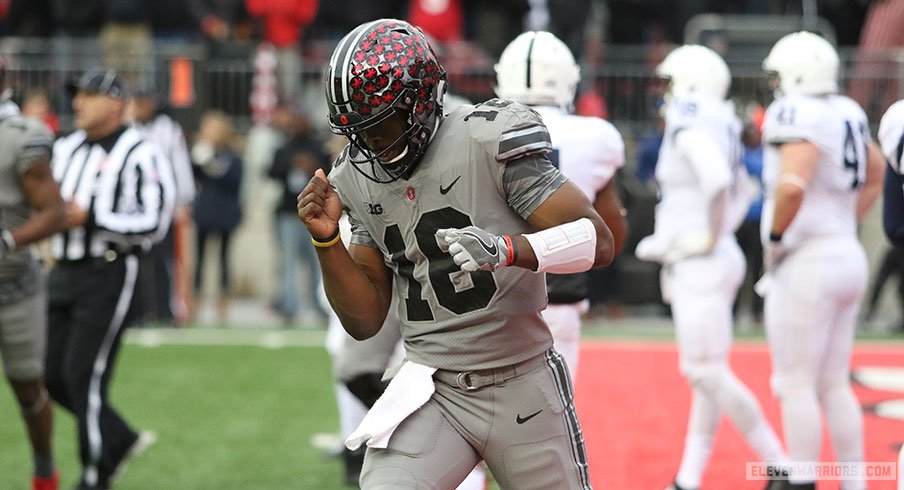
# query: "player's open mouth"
392,155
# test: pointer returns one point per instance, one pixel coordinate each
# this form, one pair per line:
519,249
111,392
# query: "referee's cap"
98,81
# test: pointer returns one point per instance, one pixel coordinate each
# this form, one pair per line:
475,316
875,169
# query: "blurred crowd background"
243,79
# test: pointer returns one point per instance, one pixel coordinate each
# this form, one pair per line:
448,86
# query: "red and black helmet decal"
374,64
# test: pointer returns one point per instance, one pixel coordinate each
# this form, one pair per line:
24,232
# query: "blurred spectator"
892,265
218,171
442,20
36,104
293,166
125,37
164,287
648,154
494,24
748,234
567,20
174,20
217,18
79,18
283,23
338,18
874,81
634,20
27,18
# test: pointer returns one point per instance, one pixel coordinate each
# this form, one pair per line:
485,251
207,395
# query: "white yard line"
270,339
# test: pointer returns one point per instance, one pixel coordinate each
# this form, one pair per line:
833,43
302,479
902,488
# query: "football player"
458,218
537,69
822,173
891,138
703,201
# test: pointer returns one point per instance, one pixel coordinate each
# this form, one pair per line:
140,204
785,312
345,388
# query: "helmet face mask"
537,68
381,71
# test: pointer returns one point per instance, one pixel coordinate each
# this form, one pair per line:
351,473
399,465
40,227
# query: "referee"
120,197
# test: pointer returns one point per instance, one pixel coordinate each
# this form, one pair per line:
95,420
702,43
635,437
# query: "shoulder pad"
793,118
506,129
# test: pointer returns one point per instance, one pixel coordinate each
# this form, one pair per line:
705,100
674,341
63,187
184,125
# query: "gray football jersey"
25,142
486,167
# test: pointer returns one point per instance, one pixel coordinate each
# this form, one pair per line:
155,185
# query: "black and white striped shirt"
126,186
167,133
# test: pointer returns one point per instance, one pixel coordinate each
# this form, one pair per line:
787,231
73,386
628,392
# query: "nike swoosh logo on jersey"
444,190
520,420
489,247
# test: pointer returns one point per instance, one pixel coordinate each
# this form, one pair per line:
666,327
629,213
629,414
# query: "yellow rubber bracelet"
330,241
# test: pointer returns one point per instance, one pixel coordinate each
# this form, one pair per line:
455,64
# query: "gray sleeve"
360,235
529,181
37,146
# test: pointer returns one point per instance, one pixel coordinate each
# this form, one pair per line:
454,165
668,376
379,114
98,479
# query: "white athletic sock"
767,445
701,430
476,480
845,421
738,403
351,410
803,427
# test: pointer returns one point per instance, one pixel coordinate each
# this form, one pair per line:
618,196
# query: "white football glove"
688,245
473,249
773,254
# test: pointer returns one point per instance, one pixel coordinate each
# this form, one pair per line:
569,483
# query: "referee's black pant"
89,307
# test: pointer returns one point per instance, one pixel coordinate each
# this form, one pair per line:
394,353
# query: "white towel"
408,391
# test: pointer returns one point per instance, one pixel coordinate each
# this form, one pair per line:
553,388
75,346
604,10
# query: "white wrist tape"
566,248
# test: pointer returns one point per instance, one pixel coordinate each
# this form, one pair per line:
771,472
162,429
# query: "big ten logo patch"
374,208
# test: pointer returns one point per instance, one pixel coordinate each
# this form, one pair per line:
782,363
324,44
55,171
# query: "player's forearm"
603,250
875,174
360,305
788,198
42,224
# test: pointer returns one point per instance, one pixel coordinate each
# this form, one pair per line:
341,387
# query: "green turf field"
228,417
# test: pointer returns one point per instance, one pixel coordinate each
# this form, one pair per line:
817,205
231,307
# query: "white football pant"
703,290
811,312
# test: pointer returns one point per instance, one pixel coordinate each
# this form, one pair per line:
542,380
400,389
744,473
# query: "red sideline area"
633,406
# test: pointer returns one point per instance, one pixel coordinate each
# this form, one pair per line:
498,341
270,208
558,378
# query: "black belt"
108,257
472,380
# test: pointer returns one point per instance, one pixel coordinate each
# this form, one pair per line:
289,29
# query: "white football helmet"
536,68
805,63
695,70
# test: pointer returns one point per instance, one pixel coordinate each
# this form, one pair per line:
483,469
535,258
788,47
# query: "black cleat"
778,479
676,486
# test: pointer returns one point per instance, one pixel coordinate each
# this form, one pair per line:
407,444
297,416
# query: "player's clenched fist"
474,249
319,207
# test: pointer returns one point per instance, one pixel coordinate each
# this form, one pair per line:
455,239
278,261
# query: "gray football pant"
525,428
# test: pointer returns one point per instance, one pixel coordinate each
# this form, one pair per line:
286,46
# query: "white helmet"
805,64
536,68
695,70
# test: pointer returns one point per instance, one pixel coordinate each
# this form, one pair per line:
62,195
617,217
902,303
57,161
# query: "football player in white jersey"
538,70
703,200
822,173
891,137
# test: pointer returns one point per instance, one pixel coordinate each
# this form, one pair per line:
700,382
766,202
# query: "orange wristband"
512,255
